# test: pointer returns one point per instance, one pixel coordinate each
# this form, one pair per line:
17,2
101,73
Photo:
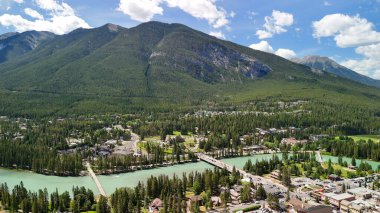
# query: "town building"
336,199
317,209
295,205
345,206
361,193
292,141
156,205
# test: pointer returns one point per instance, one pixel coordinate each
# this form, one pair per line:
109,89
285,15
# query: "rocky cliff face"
205,58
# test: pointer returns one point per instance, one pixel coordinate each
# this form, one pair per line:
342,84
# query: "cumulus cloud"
275,24
377,75
142,10
266,47
202,9
369,65
285,53
217,34
353,31
62,18
145,10
32,13
262,46
348,31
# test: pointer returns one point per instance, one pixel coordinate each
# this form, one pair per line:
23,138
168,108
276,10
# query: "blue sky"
346,30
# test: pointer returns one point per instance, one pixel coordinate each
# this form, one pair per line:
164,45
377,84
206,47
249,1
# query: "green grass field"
375,138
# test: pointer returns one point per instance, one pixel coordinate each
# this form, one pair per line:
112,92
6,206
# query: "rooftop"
342,196
317,209
360,191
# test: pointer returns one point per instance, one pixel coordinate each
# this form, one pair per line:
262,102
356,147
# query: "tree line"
20,199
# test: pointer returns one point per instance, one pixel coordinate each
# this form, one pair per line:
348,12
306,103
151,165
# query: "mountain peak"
13,45
329,65
313,59
112,27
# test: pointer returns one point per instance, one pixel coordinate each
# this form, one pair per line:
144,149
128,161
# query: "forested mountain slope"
160,66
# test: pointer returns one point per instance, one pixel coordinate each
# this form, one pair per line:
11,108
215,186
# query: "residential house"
156,205
292,141
336,199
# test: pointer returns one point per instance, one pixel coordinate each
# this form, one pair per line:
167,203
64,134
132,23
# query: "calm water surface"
35,181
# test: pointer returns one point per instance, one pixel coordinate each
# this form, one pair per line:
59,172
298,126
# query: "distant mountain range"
154,64
13,45
328,65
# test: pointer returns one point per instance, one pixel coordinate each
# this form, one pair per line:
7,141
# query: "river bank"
34,181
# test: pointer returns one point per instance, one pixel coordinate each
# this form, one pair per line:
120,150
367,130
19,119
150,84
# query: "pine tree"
102,206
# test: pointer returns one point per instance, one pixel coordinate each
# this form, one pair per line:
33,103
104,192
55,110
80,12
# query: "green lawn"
375,138
152,139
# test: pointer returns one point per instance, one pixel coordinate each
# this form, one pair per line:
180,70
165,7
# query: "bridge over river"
97,182
255,179
267,183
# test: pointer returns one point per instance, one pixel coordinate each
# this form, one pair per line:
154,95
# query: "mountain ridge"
116,68
17,44
328,65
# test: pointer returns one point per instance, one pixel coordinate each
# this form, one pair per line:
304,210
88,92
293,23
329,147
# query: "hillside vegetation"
159,67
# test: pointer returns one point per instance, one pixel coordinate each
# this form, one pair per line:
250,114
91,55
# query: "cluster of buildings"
364,200
344,196
292,141
270,131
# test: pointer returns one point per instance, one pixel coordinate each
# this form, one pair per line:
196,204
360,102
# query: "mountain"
328,65
13,45
154,66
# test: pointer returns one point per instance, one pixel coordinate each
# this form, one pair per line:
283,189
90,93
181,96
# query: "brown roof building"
317,209
156,205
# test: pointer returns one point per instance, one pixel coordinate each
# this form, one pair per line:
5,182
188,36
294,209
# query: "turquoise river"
34,181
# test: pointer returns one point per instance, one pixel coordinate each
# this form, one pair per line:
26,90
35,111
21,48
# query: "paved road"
128,147
134,140
267,183
97,182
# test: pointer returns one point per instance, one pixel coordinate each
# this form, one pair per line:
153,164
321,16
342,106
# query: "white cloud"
145,10
262,46
285,53
266,47
282,18
252,14
275,24
353,31
141,10
262,34
369,65
62,18
327,3
232,14
19,1
348,31
32,13
377,75
202,9
217,34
